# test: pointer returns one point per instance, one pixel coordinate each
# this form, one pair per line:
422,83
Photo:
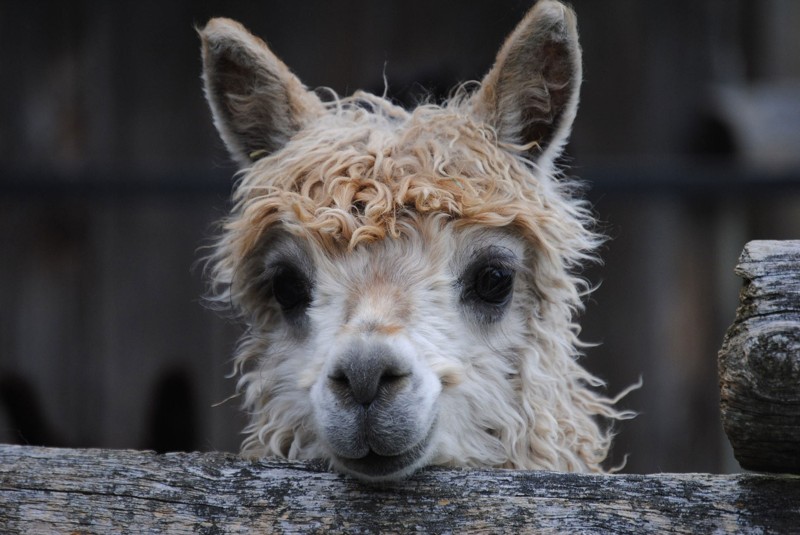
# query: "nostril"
340,384
391,377
339,377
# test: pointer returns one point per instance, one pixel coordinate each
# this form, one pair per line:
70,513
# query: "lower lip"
384,466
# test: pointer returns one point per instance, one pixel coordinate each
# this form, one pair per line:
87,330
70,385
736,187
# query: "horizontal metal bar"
674,179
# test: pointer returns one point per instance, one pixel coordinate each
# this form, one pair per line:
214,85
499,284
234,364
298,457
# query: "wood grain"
759,363
47,490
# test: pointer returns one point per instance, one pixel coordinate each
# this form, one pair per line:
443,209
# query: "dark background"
111,176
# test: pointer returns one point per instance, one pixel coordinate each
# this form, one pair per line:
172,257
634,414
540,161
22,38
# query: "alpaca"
408,278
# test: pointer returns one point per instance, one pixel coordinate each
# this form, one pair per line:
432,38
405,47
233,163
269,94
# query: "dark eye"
487,283
494,284
291,289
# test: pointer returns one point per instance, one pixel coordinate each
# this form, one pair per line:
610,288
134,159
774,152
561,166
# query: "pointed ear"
530,95
257,103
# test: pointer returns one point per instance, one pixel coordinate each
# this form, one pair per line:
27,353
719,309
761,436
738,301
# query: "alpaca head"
407,277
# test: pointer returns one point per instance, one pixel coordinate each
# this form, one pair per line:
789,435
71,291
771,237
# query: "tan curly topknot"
363,172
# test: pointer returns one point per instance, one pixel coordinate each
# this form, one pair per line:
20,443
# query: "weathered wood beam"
46,490
759,363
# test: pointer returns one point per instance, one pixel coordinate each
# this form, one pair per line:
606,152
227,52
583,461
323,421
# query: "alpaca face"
380,343
406,276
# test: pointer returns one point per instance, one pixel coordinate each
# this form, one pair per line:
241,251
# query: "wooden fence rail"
47,490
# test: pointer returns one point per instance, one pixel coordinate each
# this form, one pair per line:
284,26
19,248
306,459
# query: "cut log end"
759,363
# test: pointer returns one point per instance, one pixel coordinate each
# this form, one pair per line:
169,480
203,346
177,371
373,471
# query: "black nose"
364,374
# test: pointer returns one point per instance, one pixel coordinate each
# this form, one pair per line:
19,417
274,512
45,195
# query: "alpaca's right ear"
530,95
256,101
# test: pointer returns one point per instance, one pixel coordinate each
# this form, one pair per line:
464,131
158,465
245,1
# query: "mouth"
376,467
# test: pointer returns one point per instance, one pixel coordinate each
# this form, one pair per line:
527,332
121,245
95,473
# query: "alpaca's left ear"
530,96
256,101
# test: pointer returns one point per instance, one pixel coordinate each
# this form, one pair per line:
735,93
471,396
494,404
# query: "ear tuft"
256,101
530,96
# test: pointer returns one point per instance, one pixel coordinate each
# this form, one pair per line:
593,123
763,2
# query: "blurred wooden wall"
111,176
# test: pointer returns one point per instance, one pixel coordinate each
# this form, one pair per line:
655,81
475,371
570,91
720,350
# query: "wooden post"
759,363
46,490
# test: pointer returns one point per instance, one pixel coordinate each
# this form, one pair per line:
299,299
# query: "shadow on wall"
172,423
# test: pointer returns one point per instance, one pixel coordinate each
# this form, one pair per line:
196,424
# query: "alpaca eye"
494,284
487,283
291,289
